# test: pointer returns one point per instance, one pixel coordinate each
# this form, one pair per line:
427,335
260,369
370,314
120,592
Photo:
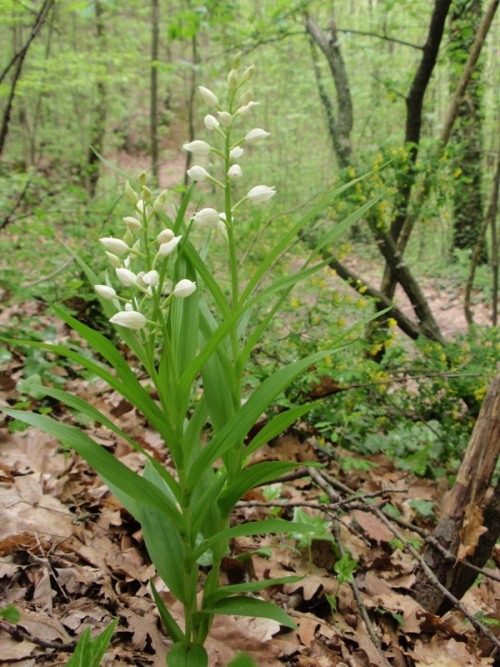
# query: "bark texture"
467,509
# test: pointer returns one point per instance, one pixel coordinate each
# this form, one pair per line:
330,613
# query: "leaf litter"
71,557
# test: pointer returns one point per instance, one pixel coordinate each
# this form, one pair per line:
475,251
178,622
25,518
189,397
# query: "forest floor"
71,557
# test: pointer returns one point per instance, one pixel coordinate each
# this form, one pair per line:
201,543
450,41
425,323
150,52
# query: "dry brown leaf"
444,653
471,531
373,527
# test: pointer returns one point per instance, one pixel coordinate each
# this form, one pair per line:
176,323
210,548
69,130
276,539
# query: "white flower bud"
168,248
113,260
105,292
256,135
129,307
208,217
165,236
236,153
222,228
130,194
248,74
243,111
235,171
184,288
198,173
246,98
133,224
211,122
117,246
225,118
260,194
141,206
151,278
126,277
146,193
233,80
208,97
160,201
198,147
130,319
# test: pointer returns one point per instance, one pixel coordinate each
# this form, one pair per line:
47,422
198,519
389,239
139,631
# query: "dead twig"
327,483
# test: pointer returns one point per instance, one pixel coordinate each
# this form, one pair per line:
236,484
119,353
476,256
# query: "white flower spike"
225,118
116,246
236,153
256,135
165,236
105,292
133,224
209,98
235,172
208,217
198,173
126,277
260,194
151,278
211,122
168,248
198,147
130,319
184,288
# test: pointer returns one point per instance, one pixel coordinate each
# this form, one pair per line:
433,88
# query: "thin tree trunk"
19,60
98,130
155,41
340,130
489,219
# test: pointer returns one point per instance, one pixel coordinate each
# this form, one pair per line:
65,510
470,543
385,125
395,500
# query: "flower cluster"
221,123
139,261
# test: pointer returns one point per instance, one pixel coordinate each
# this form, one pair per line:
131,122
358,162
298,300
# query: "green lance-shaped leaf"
265,527
163,541
88,410
279,424
106,465
248,587
168,620
218,375
259,473
242,606
131,389
89,652
309,218
237,428
339,229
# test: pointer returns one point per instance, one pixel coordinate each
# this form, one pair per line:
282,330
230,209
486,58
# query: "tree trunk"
339,129
98,130
18,60
466,138
464,517
489,219
155,41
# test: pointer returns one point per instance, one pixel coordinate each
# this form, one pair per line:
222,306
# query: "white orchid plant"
194,336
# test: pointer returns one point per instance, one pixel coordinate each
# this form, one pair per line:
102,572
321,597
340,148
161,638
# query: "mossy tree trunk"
467,136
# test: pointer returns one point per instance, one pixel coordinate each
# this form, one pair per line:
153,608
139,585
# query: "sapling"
193,334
